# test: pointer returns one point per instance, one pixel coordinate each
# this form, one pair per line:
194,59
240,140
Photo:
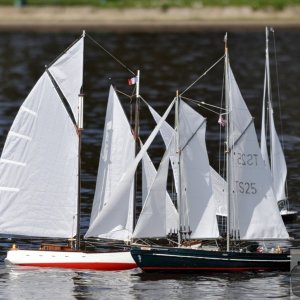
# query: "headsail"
117,153
104,222
187,114
39,162
196,184
253,212
159,215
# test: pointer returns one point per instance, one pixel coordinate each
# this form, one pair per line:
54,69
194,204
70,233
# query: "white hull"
105,261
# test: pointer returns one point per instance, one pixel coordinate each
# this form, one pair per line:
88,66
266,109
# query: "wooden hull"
167,259
102,261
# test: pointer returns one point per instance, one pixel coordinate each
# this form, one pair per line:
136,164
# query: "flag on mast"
221,121
133,80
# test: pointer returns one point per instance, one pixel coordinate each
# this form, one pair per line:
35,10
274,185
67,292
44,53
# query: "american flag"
221,121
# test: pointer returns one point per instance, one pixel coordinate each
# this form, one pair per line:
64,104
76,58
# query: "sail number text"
246,159
248,188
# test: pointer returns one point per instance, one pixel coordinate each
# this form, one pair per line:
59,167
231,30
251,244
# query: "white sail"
104,222
67,71
253,210
219,185
196,184
159,215
39,162
117,153
278,165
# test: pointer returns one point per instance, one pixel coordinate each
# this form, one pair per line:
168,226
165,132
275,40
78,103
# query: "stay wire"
211,67
110,54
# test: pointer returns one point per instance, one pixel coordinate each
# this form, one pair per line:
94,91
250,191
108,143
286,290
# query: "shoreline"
53,18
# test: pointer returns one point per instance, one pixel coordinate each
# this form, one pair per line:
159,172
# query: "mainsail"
39,162
253,210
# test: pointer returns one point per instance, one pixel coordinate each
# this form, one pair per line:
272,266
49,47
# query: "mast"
227,150
136,134
179,206
269,105
79,130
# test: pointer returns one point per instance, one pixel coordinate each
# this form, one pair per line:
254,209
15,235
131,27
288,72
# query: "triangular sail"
117,153
278,165
253,210
39,162
193,214
159,215
196,186
104,222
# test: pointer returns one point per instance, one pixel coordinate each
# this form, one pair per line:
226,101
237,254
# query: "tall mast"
179,206
227,151
79,130
136,134
269,101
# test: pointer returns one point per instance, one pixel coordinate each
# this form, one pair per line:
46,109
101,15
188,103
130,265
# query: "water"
168,61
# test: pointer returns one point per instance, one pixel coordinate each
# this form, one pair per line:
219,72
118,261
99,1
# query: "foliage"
164,4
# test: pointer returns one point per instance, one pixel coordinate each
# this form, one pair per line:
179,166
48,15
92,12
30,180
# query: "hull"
167,259
288,215
102,261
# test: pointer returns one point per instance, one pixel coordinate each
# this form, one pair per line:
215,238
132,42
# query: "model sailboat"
40,170
276,164
40,174
252,211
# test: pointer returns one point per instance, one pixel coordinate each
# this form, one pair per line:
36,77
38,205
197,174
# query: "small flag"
132,81
221,121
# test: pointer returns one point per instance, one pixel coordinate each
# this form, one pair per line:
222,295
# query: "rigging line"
124,94
211,67
192,136
220,128
63,52
111,55
241,135
278,89
279,100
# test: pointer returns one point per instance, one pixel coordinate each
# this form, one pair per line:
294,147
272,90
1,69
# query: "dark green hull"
168,259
